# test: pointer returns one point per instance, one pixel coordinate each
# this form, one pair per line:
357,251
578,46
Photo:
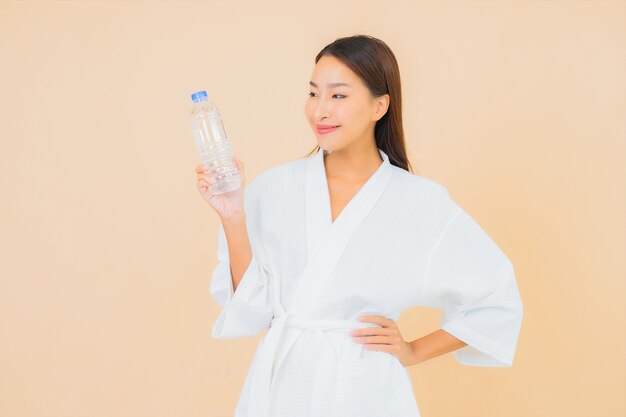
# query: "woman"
326,251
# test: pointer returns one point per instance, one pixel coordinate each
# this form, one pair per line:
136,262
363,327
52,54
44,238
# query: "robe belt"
268,363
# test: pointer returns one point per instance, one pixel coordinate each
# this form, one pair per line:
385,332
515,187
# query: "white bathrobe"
400,242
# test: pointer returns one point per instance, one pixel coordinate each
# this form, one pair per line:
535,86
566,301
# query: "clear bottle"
213,145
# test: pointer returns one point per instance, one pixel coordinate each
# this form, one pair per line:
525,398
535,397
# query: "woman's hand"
386,338
227,205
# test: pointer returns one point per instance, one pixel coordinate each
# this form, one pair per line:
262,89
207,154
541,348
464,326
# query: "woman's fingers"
207,180
208,177
240,168
203,185
201,170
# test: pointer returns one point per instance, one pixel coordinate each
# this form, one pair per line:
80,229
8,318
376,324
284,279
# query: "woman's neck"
354,165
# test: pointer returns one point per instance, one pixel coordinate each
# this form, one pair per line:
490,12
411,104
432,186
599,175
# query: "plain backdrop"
107,248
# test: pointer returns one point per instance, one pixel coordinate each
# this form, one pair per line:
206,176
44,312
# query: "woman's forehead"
332,73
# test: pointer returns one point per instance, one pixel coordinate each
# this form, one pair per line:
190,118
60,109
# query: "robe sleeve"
249,309
473,281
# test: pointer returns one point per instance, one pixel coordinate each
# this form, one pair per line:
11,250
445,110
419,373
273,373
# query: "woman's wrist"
234,220
417,357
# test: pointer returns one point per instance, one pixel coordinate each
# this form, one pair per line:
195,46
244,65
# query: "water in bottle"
213,144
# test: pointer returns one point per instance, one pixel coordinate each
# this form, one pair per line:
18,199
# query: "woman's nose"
321,111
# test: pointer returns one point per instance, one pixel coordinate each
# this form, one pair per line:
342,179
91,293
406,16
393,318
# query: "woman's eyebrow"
329,84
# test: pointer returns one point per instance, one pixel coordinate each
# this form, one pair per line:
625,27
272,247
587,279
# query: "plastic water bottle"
213,144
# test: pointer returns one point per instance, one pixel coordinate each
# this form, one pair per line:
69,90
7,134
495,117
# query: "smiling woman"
356,85
325,252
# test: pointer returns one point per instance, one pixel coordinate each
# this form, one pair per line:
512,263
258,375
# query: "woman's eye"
313,94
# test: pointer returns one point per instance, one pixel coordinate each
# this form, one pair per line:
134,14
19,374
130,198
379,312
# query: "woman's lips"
325,130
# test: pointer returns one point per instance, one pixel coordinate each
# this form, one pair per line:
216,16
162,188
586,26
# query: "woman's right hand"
227,205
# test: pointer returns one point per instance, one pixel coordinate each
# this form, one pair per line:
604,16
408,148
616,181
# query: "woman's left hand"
386,338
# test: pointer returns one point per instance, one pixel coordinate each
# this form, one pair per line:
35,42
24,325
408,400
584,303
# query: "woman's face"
338,97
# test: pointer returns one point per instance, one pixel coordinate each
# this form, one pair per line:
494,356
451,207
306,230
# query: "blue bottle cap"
199,96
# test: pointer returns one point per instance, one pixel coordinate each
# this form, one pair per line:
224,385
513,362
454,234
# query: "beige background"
518,107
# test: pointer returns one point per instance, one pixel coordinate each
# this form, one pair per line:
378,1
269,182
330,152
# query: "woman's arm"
239,250
434,344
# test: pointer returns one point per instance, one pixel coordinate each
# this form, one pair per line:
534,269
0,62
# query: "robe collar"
318,209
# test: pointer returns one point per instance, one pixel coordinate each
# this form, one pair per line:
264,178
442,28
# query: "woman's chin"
325,143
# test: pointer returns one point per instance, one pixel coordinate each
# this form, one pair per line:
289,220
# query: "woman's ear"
382,105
